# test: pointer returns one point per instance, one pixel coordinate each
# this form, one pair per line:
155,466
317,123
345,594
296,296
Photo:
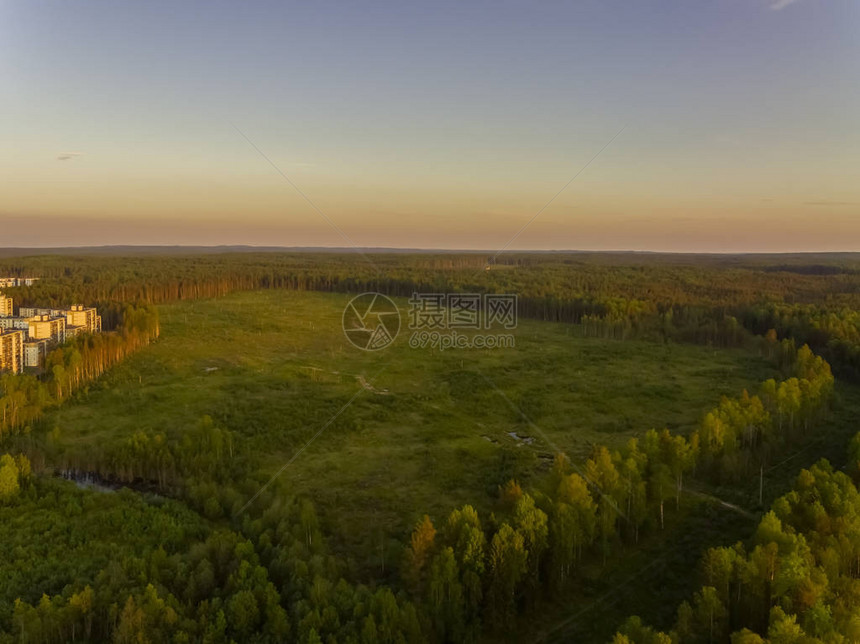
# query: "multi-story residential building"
7,323
44,327
88,318
32,312
7,282
28,336
12,351
76,315
35,352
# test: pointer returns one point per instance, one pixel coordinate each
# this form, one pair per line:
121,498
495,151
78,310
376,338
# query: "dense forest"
795,580
194,565
472,576
704,299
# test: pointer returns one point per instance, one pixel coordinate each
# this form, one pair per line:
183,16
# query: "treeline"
697,299
471,575
742,434
200,455
832,331
796,581
170,579
82,359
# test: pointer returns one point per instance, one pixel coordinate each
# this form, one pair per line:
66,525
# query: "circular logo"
371,321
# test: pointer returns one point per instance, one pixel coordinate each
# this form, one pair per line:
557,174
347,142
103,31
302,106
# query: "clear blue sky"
432,124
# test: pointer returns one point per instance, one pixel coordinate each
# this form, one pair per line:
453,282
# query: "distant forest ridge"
812,260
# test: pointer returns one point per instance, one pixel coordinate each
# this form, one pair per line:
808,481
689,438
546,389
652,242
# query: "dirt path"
363,382
725,504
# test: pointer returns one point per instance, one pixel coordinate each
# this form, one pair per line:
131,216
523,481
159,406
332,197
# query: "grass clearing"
275,366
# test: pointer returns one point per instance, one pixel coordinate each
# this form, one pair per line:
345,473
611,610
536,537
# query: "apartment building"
32,312
8,282
27,337
8,324
35,352
87,318
44,327
12,351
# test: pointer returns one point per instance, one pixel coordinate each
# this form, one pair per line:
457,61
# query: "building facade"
12,351
88,318
8,282
27,337
7,324
32,312
35,352
76,316
44,327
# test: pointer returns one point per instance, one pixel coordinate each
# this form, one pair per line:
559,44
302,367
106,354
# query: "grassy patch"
274,367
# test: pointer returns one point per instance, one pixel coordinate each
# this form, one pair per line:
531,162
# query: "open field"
427,431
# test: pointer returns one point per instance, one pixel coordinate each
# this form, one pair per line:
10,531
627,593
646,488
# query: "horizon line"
407,249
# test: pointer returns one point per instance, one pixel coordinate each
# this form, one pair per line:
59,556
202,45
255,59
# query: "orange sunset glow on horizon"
596,126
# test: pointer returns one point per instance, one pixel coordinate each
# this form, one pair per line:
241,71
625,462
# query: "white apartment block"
31,312
7,324
8,282
35,352
5,306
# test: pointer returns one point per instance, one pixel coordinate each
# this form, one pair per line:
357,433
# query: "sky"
684,126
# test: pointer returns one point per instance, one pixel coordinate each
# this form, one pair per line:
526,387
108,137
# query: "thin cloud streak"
779,5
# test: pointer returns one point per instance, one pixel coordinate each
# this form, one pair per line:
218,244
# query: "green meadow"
397,432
